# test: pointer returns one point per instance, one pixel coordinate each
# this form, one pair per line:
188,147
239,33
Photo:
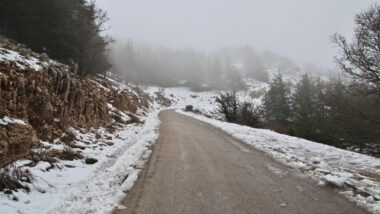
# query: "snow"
21,61
205,101
82,188
6,120
124,116
349,171
180,97
76,187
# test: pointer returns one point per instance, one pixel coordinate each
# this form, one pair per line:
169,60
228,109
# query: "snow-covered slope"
77,187
88,172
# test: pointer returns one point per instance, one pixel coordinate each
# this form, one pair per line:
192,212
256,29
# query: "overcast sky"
299,29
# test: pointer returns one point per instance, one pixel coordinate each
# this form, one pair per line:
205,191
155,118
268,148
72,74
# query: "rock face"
50,100
16,141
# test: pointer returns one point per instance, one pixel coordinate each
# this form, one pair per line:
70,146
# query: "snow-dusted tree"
360,59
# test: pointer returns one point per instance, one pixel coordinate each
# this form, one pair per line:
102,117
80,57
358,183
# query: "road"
196,168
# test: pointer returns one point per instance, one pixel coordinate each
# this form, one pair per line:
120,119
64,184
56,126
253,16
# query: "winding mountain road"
196,168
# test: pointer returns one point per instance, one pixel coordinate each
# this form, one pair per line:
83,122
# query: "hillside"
76,144
59,129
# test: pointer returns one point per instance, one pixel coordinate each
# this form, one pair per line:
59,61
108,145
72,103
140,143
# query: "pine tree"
233,78
255,68
215,73
67,30
304,108
276,103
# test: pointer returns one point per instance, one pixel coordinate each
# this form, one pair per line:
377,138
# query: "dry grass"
374,176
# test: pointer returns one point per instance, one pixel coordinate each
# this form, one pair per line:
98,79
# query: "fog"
297,29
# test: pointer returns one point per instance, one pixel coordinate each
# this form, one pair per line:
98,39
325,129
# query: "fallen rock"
90,160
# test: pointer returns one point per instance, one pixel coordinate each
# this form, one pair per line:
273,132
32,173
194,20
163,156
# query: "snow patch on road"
275,170
240,147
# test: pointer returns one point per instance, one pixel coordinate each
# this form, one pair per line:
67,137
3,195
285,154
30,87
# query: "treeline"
331,112
67,30
340,112
222,69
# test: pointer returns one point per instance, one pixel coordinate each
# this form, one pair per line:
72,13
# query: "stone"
90,161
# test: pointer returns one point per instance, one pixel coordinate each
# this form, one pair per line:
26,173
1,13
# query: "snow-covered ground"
205,101
355,174
180,97
22,61
75,187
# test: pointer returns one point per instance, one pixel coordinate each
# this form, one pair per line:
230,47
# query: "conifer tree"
304,108
276,103
67,30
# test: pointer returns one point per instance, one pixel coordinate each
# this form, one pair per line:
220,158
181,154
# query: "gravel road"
196,168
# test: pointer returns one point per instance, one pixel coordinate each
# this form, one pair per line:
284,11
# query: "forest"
66,30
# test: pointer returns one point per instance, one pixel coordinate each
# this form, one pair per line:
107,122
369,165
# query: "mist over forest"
222,69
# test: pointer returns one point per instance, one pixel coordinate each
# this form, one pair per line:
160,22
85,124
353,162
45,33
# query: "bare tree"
228,105
360,59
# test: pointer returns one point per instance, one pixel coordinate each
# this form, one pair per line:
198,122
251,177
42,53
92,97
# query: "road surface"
196,168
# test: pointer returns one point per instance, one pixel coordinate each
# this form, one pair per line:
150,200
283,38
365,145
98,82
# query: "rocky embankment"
41,99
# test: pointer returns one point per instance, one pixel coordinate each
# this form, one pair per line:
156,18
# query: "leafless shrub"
249,115
42,155
189,108
238,112
69,154
228,105
11,178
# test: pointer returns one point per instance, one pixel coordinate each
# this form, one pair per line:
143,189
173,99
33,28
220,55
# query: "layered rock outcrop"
52,99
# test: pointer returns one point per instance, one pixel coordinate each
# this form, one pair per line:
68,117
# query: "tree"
325,127
87,24
228,105
360,59
276,103
67,30
255,67
233,77
249,115
304,103
350,125
215,73
244,113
